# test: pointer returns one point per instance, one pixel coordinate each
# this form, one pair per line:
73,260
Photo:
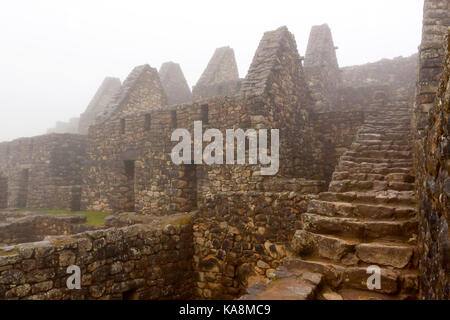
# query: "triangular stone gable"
109,88
141,92
221,68
276,58
174,83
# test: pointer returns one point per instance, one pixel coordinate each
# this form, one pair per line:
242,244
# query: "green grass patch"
94,218
182,221
8,253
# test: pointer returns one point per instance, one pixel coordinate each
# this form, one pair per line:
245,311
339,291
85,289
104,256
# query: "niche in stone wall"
3,192
173,118
129,170
122,126
24,178
188,187
148,122
205,113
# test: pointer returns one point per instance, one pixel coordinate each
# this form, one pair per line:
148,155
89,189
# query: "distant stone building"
174,84
105,95
66,127
42,172
220,78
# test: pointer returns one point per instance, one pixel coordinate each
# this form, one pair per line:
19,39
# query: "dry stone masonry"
363,180
174,84
220,78
432,151
109,88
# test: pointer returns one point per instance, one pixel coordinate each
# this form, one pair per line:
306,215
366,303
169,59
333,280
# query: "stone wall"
239,235
393,73
432,151
22,227
174,84
131,170
334,134
105,95
44,171
274,96
133,262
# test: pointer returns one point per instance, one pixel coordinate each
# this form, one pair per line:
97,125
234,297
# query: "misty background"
54,54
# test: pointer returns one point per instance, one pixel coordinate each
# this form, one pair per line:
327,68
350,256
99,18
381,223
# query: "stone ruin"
220,78
174,84
363,180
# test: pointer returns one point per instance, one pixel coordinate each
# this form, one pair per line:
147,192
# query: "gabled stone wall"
174,84
322,69
105,94
220,78
142,91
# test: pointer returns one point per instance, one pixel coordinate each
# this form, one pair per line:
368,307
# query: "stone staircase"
367,218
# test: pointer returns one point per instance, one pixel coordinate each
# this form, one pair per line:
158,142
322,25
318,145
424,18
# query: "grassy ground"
94,218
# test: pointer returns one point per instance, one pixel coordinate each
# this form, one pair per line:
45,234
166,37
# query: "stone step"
346,175
384,130
350,185
359,147
382,136
386,161
371,169
351,252
360,210
377,142
380,154
406,198
286,285
356,185
364,295
393,282
357,228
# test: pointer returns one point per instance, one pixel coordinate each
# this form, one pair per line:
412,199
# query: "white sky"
55,53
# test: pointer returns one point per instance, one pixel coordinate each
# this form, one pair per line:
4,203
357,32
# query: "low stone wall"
133,262
238,235
30,227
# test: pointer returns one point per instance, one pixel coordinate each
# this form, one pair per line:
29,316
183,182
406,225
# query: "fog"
55,53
